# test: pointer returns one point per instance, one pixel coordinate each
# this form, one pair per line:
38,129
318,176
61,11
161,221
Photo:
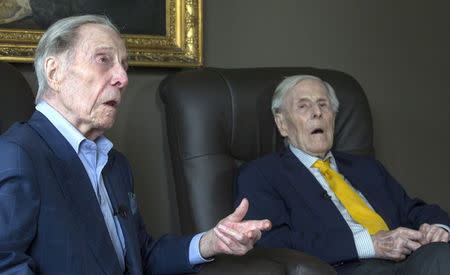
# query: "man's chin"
106,124
320,151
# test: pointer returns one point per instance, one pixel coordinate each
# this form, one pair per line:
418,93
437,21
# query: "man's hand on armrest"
396,244
433,233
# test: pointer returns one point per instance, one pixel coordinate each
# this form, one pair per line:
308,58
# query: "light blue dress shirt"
94,156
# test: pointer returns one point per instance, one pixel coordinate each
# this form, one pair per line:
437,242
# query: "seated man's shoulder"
357,160
118,155
20,134
264,161
17,146
265,165
119,158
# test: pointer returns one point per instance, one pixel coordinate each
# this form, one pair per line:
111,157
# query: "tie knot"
322,164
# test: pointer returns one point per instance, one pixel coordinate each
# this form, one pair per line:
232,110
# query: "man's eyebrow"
303,99
124,59
104,48
306,99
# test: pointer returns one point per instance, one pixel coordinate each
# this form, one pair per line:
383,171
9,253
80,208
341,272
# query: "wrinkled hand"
433,233
232,235
396,244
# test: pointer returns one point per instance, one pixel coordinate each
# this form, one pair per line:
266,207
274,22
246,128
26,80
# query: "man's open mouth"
112,103
317,131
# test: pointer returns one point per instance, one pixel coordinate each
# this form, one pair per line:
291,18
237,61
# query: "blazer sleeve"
19,209
411,212
167,255
331,244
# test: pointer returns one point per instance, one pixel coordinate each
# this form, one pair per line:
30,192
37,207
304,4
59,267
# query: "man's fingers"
412,245
424,227
405,251
441,235
397,254
234,242
445,237
412,239
254,235
232,234
399,257
410,234
402,250
240,212
438,236
263,225
431,232
225,240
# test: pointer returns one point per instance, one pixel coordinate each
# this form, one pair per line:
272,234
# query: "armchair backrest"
218,118
16,99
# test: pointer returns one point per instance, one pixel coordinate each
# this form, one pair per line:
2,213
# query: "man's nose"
316,111
120,77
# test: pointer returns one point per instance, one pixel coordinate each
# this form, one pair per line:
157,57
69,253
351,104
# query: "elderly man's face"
306,118
90,81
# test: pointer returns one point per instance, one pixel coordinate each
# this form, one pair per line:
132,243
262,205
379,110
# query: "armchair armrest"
271,261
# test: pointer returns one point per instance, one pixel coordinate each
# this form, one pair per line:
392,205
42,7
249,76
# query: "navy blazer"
280,188
50,220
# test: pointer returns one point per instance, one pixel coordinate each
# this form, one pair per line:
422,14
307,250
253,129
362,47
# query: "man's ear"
280,120
52,66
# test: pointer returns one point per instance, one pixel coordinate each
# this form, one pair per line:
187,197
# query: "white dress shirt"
363,240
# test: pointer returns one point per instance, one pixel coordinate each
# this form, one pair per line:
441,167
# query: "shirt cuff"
364,244
195,257
443,226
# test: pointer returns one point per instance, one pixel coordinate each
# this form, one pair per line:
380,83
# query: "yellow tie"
354,204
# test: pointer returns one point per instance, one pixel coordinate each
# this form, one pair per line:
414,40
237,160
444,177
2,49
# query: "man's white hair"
289,82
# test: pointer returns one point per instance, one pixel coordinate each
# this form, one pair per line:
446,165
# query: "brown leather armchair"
17,100
218,118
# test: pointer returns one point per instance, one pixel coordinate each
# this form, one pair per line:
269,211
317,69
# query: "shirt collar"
70,133
307,159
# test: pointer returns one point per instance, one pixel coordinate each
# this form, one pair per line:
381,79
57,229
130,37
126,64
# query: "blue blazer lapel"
310,190
76,186
360,177
116,184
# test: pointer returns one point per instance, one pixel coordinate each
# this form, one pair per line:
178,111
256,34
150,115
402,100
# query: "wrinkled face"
88,83
306,118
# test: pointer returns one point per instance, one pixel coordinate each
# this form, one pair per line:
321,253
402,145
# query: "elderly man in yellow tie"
367,224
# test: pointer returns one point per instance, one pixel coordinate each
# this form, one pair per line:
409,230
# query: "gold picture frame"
181,46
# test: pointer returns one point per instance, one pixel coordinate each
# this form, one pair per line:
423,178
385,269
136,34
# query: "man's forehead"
309,88
96,35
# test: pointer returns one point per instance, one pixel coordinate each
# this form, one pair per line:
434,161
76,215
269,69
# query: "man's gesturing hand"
232,235
396,244
433,233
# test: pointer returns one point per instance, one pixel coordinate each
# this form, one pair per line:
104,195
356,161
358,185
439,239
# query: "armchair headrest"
16,99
